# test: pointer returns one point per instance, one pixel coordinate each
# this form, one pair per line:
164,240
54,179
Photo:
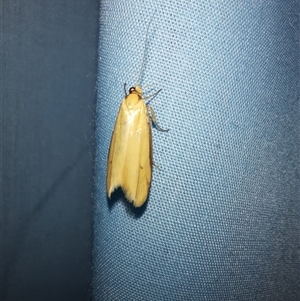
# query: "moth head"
136,90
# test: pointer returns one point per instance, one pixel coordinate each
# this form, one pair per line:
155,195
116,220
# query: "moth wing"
130,154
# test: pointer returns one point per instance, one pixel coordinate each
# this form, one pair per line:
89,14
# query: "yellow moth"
130,159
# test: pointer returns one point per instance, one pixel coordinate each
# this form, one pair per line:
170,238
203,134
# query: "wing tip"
135,201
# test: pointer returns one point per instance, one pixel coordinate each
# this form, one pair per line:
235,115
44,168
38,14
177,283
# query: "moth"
130,158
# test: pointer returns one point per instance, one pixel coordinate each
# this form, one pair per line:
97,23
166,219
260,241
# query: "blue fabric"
222,220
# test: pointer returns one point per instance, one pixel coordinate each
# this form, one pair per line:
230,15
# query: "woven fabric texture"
222,218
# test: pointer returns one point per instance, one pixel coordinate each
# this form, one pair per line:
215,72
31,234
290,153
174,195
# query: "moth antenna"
145,46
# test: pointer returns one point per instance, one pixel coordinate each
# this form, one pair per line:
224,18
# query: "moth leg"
153,119
155,165
152,96
125,89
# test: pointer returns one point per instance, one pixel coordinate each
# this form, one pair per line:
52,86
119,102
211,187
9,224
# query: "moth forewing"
130,153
